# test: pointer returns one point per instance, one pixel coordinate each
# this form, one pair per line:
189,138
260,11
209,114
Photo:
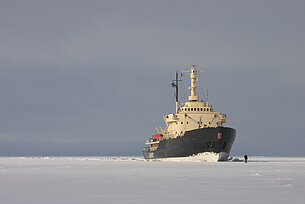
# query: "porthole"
204,109
181,122
201,109
210,144
187,122
191,109
188,109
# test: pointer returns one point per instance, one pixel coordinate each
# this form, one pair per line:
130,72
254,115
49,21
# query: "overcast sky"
93,77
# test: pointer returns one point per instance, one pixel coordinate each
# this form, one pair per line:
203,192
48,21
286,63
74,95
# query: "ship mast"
193,72
175,84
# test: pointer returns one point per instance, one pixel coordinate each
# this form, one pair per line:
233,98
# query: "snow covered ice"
133,180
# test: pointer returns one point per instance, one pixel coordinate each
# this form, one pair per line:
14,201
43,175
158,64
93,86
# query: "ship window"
181,122
198,109
201,122
204,109
187,122
209,122
191,109
201,109
188,109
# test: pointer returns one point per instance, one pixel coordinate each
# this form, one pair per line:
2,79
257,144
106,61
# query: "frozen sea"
133,180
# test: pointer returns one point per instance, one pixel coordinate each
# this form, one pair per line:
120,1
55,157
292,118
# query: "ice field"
133,180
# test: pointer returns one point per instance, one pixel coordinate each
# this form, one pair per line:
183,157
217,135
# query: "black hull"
194,142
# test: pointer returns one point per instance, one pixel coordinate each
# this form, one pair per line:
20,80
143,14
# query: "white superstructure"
193,114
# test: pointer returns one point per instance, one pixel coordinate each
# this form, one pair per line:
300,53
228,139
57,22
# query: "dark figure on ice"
246,158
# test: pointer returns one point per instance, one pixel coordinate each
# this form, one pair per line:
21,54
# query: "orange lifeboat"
157,137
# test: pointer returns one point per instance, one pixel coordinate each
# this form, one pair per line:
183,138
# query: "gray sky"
92,77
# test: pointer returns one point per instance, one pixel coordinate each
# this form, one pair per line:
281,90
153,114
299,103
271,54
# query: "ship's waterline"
200,157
